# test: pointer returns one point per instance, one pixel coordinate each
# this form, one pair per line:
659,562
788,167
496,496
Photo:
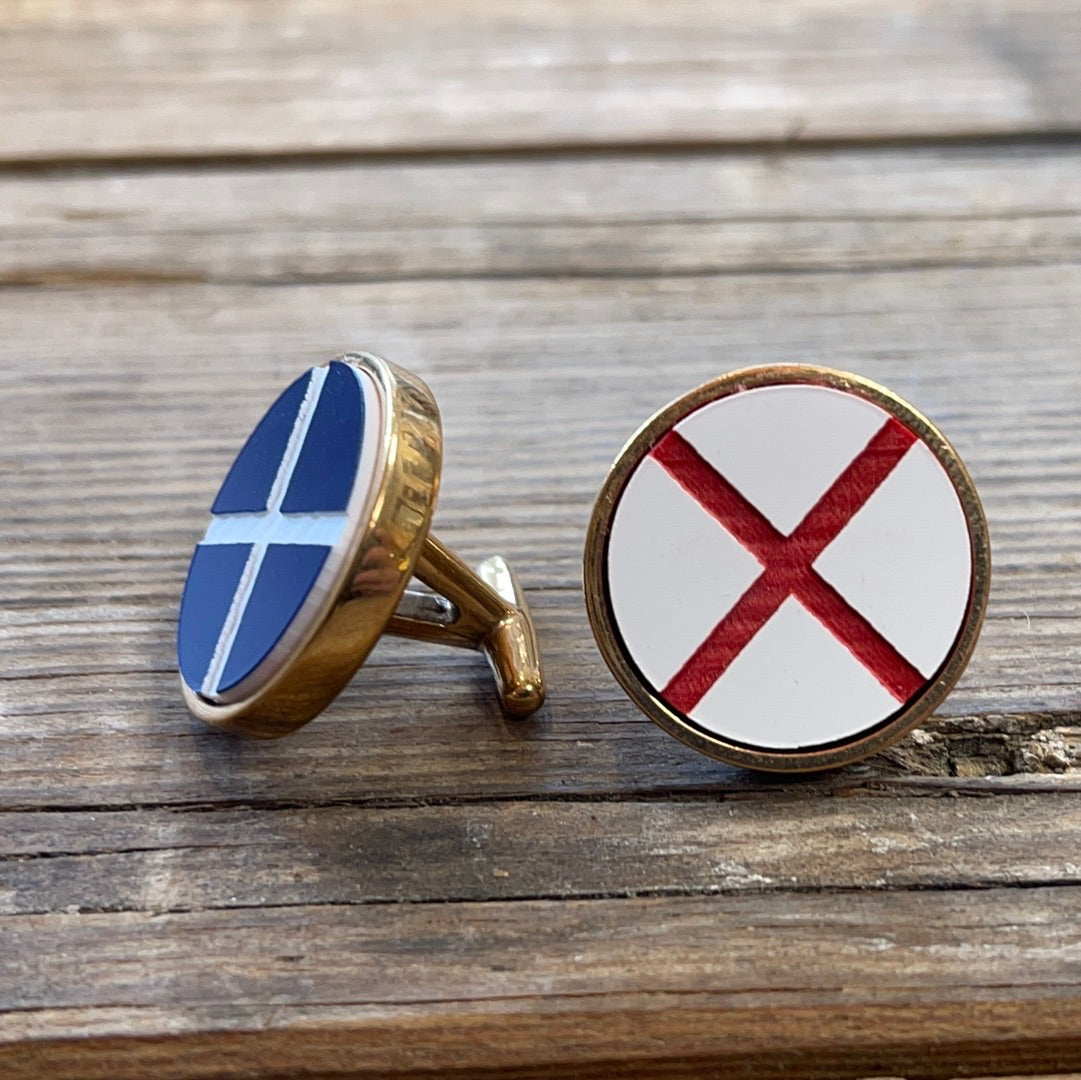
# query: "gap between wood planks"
92,279
790,145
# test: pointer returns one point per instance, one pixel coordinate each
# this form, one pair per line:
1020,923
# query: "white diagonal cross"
270,526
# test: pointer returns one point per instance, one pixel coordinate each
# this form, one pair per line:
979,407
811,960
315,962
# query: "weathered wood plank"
620,215
90,716
104,79
413,885
586,1037
838,982
168,861
139,396
684,213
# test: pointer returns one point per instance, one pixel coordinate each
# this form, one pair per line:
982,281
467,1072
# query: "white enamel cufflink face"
787,568
313,538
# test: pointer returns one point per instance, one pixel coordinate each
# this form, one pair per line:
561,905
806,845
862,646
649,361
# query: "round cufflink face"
312,539
788,568
280,530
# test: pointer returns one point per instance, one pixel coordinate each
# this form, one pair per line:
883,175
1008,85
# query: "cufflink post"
483,609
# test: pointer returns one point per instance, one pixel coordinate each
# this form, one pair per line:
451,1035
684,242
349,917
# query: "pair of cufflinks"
787,568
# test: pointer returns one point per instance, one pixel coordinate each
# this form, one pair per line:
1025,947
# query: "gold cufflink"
788,568
314,536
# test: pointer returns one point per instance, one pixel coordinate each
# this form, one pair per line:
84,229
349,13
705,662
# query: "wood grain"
576,1036
92,573
841,985
562,215
612,215
91,719
169,861
104,79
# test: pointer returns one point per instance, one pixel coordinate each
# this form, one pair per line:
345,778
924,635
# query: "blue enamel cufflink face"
276,533
313,538
787,568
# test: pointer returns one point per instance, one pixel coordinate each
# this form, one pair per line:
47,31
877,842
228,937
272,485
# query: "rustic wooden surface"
562,215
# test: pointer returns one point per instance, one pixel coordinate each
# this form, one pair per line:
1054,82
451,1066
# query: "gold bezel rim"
345,627
636,686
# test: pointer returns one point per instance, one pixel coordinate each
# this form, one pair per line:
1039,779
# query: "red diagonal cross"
787,563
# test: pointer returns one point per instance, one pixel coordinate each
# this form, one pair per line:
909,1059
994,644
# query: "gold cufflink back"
318,528
787,568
